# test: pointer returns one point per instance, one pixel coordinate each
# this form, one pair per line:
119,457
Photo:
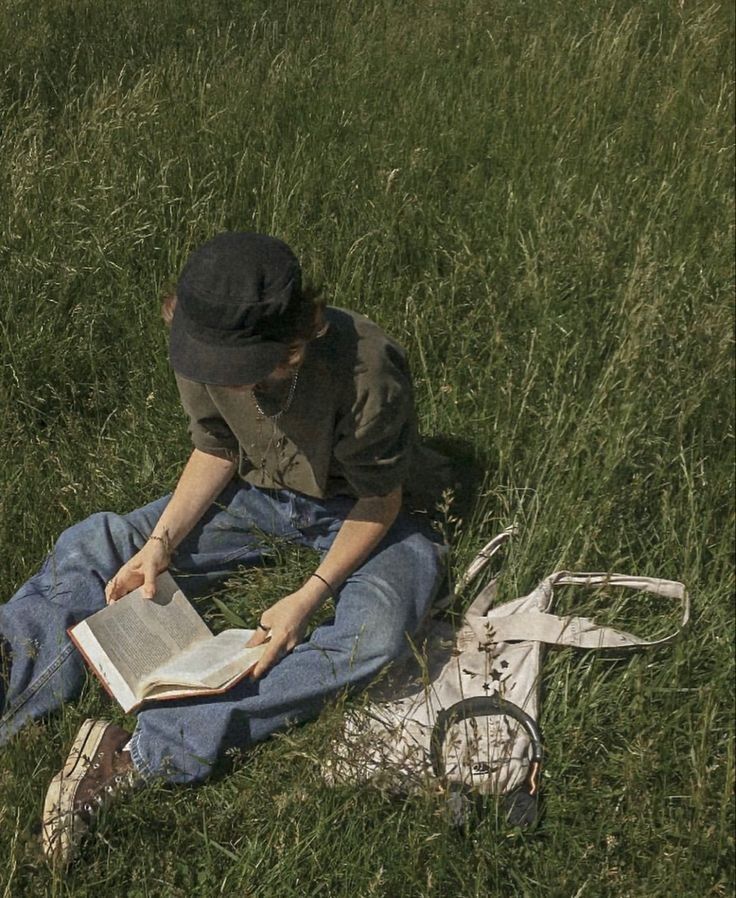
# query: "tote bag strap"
484,556
581,632
472,571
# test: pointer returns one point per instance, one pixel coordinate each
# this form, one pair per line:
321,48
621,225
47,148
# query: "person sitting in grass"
303,425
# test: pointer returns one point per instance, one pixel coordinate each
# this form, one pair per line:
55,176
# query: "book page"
140,634
208,663
95,656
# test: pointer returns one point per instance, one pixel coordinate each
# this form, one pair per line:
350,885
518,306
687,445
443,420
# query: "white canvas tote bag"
462,713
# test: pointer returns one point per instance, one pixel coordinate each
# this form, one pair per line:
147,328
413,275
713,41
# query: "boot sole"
62,829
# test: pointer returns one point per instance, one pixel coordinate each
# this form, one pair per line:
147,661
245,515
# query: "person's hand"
282,626
141,570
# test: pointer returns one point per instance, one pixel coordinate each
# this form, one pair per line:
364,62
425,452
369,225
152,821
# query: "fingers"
282,626
129,578
111,591
115,589
268,659
139,571
278,646
260,635
149,582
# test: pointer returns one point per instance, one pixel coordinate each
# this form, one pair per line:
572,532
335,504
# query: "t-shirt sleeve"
208,430
375,439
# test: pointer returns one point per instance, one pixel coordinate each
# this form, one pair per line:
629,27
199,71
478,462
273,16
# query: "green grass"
537,199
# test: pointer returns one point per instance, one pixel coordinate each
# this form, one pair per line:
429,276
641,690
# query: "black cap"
237,299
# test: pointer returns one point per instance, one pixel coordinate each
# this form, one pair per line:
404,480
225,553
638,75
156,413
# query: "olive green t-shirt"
350,428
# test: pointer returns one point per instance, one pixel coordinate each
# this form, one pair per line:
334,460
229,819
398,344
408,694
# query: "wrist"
162,540
326,585
313,593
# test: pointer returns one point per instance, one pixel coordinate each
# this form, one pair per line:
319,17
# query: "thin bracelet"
163,539
326,583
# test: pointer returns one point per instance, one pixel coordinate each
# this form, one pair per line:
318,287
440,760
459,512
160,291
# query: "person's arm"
360,533
202,480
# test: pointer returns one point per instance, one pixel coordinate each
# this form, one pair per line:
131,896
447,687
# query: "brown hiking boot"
96,770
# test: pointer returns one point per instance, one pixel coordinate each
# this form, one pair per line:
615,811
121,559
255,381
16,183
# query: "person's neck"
282,375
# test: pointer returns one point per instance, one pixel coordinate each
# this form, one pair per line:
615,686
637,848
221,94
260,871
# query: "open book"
144,649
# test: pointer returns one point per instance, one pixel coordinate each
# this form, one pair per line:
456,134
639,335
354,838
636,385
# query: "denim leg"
180,741
383,601
46,670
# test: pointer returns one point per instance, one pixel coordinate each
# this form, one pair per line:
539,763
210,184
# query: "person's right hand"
141,570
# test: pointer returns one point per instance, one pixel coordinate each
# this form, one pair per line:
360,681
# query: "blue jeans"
179,741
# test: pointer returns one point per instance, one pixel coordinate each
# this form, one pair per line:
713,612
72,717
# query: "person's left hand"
286,623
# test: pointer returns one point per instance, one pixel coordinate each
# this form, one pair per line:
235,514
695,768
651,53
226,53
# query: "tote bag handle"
581,632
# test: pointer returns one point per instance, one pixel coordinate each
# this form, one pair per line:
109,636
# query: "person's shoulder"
361,339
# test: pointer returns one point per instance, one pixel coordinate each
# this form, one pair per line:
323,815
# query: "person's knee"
82,530
389,618
378,647
413,565
103,531
108,522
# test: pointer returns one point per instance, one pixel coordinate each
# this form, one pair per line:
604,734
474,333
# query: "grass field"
536,198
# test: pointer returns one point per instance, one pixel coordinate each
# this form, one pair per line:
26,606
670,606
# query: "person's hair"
308,324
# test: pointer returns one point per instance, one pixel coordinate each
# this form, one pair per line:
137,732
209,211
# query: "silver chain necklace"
285,407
